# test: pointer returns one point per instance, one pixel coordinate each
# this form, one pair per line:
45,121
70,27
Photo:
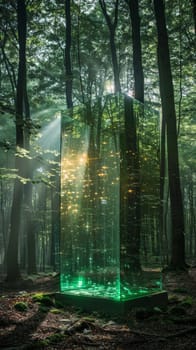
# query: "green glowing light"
81,286
81,282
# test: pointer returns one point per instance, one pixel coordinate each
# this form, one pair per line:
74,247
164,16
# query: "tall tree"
137,50
13,271
68,67
194,12
130,215
112,25
130,149
29,228
169,114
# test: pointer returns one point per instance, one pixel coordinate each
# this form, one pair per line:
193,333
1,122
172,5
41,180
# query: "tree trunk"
130,193
117,87
163,233
68,68
132,150
112,28
137,51
55,234
169,113
13,270
29,226
28,210
194,13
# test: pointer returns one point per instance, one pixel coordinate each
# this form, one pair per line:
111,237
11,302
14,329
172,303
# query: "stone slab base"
113,307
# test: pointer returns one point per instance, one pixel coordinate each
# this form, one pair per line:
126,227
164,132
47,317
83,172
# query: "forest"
97,137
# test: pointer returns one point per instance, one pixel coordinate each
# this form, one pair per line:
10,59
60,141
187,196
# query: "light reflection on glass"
93,239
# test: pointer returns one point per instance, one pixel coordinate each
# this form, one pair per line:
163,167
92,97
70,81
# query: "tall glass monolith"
110,239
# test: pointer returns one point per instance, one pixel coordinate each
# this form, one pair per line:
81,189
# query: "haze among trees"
59,54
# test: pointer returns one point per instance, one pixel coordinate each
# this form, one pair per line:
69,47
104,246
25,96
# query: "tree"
131,221
137,50
29,229
68,55
194,12
13,271
169,114
130,190
112,29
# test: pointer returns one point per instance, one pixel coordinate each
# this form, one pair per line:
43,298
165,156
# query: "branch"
115,15
112,26
107,17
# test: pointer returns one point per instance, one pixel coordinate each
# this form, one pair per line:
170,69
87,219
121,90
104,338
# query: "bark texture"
169,114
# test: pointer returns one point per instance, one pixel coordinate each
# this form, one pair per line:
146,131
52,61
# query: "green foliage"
43,299
21,306
48,341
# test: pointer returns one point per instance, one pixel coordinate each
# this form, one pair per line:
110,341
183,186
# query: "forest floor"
30,319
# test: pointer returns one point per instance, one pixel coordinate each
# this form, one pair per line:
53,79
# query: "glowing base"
115,288
124,292
113,307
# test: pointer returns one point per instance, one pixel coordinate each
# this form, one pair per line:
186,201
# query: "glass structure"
110,243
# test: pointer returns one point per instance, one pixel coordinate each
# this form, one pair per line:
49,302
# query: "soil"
31,319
